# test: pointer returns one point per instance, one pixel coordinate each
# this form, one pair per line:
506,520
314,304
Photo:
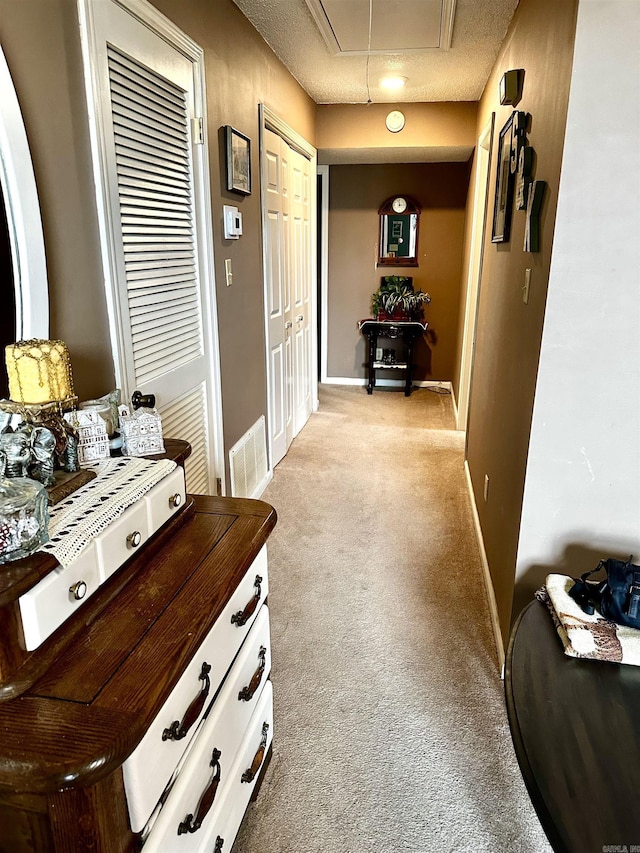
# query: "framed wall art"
504,186
238,161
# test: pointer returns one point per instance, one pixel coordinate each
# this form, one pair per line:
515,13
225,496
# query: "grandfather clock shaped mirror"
398,242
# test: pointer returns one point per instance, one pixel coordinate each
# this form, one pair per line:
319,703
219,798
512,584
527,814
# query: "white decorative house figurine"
141,432
93,441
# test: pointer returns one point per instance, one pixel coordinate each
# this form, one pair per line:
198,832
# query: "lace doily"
120,482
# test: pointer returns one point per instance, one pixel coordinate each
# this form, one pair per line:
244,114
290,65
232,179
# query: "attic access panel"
396,25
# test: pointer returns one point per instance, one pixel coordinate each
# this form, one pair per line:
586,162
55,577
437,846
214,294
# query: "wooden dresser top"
82,701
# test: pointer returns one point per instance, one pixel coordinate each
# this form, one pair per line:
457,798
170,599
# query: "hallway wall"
355,195
582,492
540,40
41,41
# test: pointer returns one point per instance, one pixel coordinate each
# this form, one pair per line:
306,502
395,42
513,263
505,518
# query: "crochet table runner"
78,519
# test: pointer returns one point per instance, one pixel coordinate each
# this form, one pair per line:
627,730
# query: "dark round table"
576,730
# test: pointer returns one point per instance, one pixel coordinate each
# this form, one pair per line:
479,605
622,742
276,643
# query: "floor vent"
248,462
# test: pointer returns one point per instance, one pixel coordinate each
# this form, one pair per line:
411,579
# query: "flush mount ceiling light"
393,82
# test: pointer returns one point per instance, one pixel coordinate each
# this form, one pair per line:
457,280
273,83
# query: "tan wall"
540,40
242,72
355,195
360,126
41,42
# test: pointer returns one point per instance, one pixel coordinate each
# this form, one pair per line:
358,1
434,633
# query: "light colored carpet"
390,732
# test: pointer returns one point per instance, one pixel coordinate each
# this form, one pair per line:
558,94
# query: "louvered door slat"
185,418
155,172
152,149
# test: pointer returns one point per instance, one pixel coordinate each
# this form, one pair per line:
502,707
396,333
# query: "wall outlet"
525,286
486,488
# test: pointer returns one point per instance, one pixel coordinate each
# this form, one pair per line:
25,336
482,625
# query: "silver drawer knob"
78,590
175,500
134,539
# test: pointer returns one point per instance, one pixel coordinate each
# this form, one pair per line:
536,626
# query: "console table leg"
373,342
407,384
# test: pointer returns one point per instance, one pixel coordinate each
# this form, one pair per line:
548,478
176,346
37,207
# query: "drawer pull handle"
250,774
175,500
78,590
191,824
134,539
246,694
177,730
242,616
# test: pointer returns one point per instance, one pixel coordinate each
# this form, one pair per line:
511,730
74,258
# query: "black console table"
576,732
407,330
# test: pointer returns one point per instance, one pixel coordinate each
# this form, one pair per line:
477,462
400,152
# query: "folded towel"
585,636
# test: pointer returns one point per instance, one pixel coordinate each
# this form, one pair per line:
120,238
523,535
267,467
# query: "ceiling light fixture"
395,82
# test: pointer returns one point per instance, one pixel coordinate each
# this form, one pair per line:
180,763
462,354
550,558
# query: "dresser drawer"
57,596
122,539
149,768
238,793
214,758
165,499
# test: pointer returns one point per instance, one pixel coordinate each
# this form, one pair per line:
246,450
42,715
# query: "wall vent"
248,462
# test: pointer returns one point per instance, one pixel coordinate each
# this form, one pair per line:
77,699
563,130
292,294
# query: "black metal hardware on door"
219,845
191,824
247,693
177,730
242,616
251,772
140,400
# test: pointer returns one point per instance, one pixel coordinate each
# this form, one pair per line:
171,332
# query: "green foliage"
396,298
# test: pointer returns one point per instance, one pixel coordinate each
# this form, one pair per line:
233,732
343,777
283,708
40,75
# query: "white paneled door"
152,166
288,256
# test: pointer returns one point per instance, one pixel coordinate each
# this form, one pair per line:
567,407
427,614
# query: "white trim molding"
24,222
488,582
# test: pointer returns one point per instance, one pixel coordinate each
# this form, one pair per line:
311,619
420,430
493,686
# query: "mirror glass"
398,238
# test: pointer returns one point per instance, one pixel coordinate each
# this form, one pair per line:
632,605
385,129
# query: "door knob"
139,400
299,318
288,324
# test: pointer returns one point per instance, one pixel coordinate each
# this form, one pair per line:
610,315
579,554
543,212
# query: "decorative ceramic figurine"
141,432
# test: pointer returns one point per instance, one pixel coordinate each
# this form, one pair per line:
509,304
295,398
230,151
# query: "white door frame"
271,121
479,220
176,38
323,248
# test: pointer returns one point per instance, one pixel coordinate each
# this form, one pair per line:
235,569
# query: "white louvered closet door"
162,288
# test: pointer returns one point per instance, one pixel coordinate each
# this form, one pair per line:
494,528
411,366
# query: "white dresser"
144,721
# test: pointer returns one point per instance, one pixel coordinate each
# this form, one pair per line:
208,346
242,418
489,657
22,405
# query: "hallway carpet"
390,732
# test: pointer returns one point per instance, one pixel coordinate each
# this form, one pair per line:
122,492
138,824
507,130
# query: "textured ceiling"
458,74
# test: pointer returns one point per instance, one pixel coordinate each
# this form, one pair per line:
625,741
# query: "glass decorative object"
24,517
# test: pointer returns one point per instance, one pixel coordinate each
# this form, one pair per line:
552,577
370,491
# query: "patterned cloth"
585,636
120,482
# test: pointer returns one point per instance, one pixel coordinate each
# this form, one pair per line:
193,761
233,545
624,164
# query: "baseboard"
387,383
454,403
491,595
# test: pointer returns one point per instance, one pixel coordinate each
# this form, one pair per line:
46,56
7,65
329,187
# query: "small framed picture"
238,161
504,186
